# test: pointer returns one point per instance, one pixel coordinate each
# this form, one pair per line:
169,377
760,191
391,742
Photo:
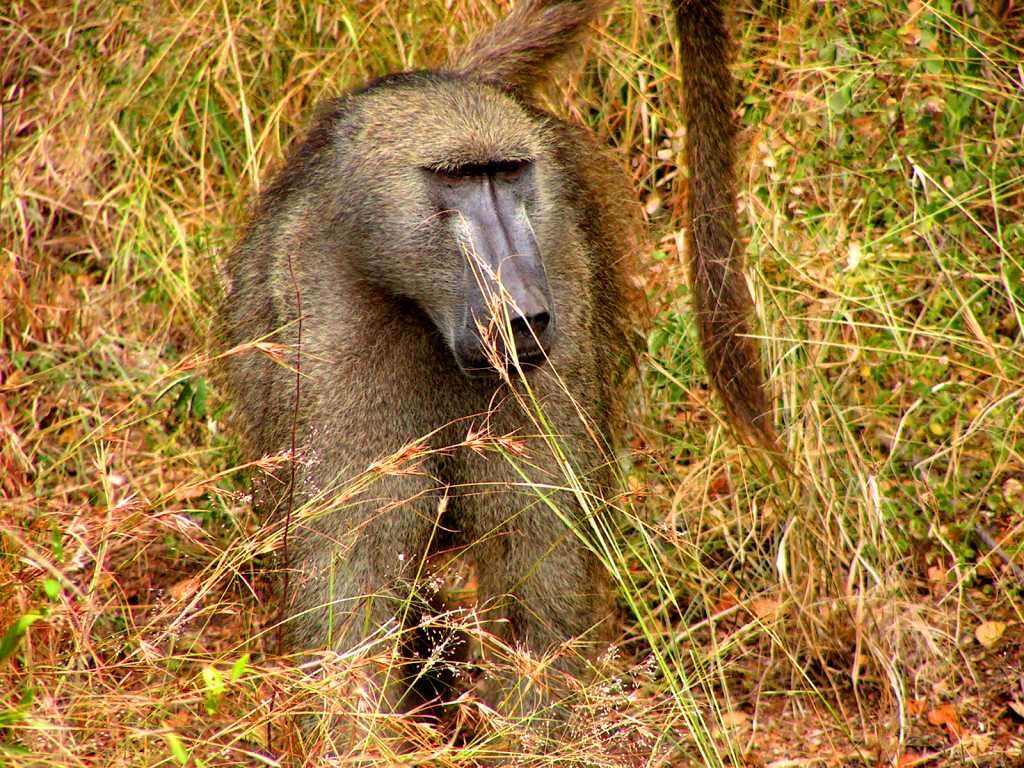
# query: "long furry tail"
722,302
517,53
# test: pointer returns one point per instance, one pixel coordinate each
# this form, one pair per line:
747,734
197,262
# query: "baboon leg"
540,590
358,577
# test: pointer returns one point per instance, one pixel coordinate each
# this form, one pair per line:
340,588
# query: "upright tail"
518,51
721,300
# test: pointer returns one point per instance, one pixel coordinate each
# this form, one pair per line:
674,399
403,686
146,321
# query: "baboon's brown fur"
348,264
721,299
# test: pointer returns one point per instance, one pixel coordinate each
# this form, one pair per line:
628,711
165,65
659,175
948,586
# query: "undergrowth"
882,194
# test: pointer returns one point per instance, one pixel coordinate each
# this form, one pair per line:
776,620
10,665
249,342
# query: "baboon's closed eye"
502,170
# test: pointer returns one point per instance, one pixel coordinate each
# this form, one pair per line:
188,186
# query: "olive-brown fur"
721,299
346,218
345,247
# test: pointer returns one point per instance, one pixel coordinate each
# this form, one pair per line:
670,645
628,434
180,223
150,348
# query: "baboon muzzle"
507,310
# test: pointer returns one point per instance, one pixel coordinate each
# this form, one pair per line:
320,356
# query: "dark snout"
510,310
507,313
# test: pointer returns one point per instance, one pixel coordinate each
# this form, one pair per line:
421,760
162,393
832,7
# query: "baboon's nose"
530,327
528,333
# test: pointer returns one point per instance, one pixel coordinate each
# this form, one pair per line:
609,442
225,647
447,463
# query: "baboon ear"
517,53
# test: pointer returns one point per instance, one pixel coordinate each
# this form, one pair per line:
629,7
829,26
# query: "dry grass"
765,617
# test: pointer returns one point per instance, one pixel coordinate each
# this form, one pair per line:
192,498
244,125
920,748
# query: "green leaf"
839,101
239,667
15,632
57,544
12,750
199,400
213,681
52,588
177,748
17,713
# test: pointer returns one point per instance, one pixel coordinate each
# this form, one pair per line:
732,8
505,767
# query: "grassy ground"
866,611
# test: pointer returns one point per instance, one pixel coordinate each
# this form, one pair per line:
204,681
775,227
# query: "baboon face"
484,205
460,185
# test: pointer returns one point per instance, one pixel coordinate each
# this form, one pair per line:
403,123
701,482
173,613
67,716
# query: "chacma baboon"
441,259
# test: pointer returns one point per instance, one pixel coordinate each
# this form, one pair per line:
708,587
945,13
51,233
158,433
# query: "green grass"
882,191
